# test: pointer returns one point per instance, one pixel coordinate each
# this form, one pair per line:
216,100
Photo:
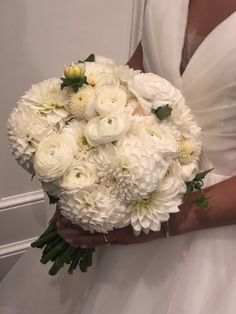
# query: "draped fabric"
189,274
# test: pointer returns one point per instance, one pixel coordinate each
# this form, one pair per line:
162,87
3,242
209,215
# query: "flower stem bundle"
56,250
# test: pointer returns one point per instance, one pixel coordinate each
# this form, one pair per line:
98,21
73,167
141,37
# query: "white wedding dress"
189,274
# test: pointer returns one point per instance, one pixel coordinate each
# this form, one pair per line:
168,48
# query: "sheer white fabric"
189,274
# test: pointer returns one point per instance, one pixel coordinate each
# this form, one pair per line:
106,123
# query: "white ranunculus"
148,214
110,99
95,210
153,91
79,175
81,104
26,128
53,157
102,130
49,100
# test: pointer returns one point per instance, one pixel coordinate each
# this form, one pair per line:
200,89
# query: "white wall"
37,39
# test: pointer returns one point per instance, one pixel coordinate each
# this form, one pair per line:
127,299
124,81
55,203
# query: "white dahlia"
132,169
125,73
94,210
182,117
26,128
148,213
81,104
99,74
48,99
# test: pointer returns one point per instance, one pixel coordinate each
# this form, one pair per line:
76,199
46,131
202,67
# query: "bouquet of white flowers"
111,146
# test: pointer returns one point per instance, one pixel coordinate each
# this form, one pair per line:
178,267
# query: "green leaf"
74,84
90,58
190,186
200,176
52,199
201,202
163,112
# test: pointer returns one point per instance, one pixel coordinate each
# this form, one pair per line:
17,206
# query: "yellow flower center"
186,151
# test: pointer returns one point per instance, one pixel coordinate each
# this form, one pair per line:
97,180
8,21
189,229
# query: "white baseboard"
23,217
15,248
21,199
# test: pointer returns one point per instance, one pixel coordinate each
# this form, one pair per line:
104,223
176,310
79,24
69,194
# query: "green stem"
60,247
44,239
76,258
51,244
50,228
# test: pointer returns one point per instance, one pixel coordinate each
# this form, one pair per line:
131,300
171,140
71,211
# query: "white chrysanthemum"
110,99
99,74
53,157
102,130
79,175
81,104
148,213
132,169
153,91
48,99
189,150
182,117
26,128
94,210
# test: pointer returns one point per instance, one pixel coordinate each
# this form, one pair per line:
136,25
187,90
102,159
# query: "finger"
66,221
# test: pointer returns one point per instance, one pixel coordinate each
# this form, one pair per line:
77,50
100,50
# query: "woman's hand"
75,236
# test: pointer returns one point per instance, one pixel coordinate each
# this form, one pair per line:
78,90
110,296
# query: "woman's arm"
220,212
136,61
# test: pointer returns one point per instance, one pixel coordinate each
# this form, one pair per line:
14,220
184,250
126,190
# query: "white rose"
153,91
79,175
52,158
110,99
102,130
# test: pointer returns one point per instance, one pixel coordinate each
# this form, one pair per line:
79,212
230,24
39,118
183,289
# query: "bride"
192,43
